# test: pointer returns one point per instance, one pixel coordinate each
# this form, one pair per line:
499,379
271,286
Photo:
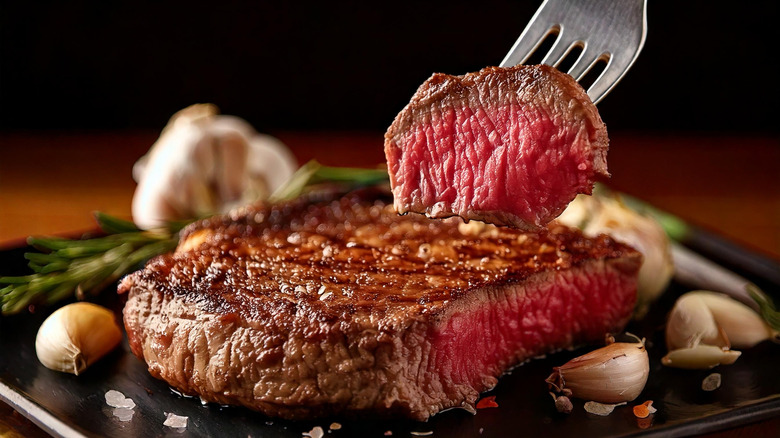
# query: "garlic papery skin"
206,163
75,336
601,214
612,374
711,318
700,357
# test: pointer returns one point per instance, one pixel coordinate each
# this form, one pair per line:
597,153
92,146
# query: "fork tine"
617,66
560,49
583,64
614,31
526,45
531,38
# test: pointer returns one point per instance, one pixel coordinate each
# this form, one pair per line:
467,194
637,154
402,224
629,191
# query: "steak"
338,305
510,146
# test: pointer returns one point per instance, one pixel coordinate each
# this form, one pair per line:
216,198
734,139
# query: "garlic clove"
75,336
742,325
691,322
612,374
714,319
700,357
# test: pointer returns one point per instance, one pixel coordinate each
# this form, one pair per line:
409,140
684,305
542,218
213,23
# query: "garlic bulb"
75,336
205,163
612,374
605,215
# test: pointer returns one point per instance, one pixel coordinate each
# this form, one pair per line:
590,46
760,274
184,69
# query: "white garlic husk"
206,163
613,374
713,318
75,336
601,214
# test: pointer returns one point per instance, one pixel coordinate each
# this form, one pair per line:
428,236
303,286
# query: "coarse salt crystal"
335,426
114,397
118,400
176,421
123,414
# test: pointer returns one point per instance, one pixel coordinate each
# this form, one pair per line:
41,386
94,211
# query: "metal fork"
611,31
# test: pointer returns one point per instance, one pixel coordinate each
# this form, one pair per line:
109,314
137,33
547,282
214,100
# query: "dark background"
707,66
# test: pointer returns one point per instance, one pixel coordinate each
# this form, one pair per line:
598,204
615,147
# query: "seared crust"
367,259
315,308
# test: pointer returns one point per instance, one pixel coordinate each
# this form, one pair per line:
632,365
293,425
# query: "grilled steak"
511,146
341,306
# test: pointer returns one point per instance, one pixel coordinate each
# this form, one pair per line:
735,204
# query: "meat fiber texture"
510,146
342,307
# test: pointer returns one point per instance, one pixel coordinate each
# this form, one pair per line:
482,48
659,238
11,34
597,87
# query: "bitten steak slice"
510,146
342,306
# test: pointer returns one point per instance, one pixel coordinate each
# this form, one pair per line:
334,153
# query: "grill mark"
407,339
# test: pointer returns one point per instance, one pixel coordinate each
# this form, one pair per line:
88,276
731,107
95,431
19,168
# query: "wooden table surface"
51,182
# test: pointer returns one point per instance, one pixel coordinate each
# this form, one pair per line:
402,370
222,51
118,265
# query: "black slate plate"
66,405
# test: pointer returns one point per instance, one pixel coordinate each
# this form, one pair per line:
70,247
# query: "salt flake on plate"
176,421
118,400
123,414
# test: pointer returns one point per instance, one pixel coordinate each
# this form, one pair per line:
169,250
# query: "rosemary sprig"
313,173
67,267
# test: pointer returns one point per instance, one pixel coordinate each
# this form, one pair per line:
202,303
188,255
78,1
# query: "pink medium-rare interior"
520,322
516,158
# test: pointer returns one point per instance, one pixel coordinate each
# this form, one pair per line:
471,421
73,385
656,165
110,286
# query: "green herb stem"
82,266
313,173
767,309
